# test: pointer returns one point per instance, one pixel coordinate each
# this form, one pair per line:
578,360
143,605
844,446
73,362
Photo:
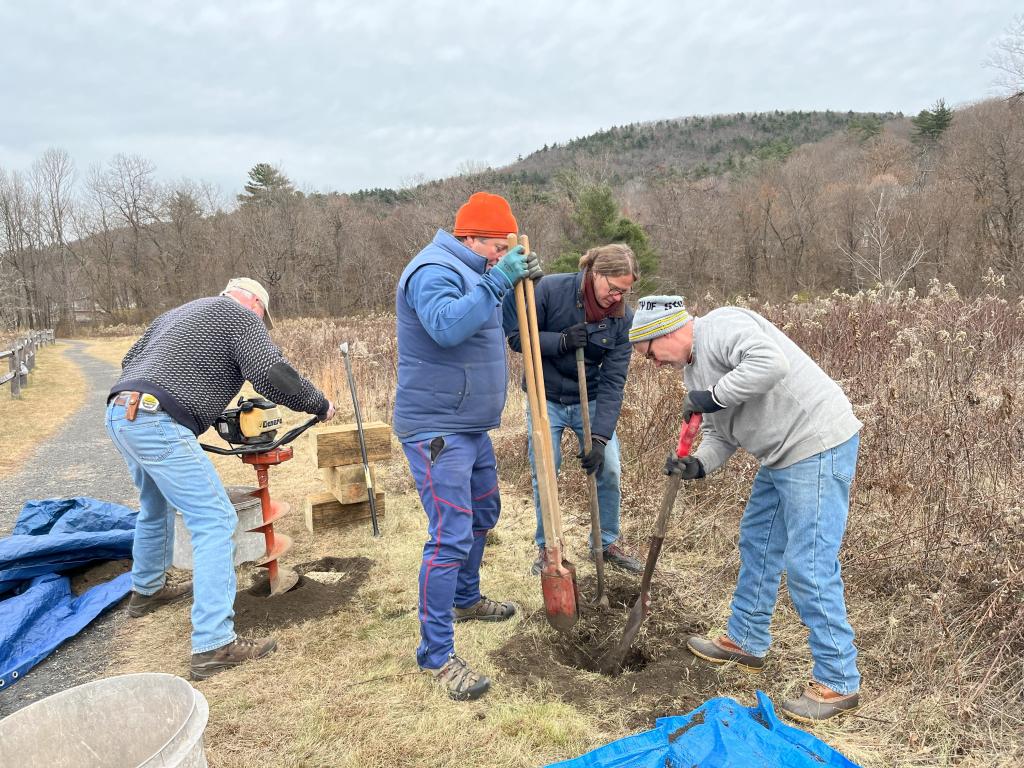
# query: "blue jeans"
172,472
457,478
609,495
795,520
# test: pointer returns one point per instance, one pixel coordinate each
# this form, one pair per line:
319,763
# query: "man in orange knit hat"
452,377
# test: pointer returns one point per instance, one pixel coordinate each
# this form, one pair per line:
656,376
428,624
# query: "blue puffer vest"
456,389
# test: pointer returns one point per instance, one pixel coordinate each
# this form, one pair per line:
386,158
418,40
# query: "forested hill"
694,146
771,204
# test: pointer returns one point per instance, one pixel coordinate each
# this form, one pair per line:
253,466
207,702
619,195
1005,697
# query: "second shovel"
595,512
611,662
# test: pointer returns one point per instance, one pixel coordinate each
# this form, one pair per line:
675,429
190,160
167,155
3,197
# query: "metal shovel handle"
370,491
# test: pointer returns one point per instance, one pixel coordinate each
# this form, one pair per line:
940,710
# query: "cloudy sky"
346,95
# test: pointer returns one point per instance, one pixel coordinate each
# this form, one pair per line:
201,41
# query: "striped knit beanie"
657,315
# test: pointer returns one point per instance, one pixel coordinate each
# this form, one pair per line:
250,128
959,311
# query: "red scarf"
595,312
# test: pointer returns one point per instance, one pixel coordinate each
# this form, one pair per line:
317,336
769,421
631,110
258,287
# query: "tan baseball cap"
257,290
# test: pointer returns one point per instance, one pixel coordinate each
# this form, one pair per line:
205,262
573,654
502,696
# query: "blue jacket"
559,305
452,372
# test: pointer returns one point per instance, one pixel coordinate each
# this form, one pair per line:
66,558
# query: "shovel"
612,660
371,493
595,513
558,576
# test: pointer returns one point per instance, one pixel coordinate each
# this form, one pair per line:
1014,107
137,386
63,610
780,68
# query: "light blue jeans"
172,472
795,520
609,495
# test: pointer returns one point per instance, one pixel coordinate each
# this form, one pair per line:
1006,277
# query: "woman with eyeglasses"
586,309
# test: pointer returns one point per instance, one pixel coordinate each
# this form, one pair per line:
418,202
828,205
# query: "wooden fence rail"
21,359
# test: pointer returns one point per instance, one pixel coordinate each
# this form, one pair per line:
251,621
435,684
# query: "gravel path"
79,460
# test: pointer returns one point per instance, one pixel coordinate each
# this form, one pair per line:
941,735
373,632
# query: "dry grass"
109,350
56,389
931,562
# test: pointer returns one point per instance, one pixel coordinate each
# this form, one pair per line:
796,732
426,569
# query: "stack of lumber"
345,500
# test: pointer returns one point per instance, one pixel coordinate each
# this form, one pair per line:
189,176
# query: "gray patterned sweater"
195,358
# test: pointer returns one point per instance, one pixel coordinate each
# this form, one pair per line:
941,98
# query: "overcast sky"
346,95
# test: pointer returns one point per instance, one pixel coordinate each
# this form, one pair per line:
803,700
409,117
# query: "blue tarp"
721,733
38,611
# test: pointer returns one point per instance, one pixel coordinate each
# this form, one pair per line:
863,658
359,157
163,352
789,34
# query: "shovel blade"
611,662
561,595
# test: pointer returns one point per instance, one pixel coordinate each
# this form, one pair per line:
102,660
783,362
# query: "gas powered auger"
251,429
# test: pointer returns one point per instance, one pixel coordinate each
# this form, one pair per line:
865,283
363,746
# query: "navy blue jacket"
559,305
452,371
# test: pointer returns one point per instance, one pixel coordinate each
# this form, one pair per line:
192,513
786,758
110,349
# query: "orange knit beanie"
485,215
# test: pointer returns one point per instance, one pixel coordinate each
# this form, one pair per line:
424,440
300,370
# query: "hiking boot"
722,650
238,651
485,610
819,702
140,605
616,557
538,564
461,682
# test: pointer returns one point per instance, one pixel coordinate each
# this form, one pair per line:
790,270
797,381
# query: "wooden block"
337,446
323,510
348,483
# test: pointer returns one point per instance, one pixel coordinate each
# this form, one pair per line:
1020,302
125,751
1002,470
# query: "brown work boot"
140,605
819,702
238,651
485,610
722,650
461,682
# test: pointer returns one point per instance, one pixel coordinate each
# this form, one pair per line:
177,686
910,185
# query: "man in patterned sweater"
175,381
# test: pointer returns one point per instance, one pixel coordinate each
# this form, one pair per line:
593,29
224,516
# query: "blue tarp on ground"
38,611
721,733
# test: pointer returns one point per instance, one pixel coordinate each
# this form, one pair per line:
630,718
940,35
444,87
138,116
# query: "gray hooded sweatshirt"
779,405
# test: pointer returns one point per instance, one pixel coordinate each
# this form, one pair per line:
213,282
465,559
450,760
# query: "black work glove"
594,460
574,337
688,468
699,401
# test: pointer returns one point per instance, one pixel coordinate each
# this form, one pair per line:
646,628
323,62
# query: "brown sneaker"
140,605
461,682
722,650
238,651
819,702
485,610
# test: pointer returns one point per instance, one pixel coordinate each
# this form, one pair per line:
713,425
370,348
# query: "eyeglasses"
650,349
614,290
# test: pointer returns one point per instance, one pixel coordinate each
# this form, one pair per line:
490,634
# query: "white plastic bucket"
146,720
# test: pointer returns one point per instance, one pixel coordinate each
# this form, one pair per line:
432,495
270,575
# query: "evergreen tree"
598,223
864,127
266,184
930,124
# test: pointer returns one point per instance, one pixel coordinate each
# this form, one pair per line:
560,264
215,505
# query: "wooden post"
16,368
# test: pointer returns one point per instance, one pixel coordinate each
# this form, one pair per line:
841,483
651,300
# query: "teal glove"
513,265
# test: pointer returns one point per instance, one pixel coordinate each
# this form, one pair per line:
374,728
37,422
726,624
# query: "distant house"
88,312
